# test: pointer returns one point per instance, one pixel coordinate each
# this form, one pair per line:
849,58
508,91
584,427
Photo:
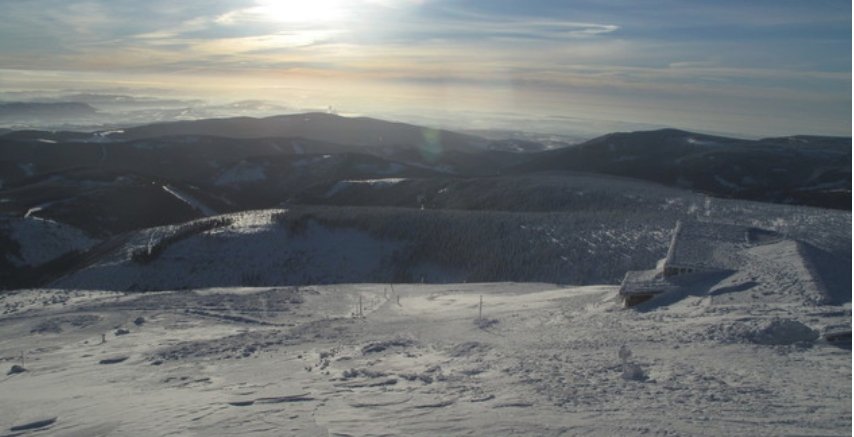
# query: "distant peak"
672,131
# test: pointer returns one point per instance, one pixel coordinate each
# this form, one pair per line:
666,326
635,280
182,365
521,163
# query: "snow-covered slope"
105,202
254,249
794,170
540,360
34,241
311,245
190,200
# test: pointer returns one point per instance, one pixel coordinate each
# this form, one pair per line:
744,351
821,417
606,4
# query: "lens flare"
431,146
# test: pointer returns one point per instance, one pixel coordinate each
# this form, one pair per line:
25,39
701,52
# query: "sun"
302,11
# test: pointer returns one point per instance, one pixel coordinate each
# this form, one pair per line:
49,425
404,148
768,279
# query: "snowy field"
542,360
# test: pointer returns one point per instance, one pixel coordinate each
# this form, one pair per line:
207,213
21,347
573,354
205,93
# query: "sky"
749,68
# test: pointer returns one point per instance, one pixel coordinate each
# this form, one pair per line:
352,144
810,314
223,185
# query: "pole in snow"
480,309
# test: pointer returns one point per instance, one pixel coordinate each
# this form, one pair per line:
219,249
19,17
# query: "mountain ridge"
808,170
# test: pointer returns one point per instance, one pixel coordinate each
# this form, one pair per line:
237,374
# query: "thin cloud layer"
777,64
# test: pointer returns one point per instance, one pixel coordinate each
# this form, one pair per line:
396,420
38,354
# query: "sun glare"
302,11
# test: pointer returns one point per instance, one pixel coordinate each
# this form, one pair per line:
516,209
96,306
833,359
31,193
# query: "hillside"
802,170
543,192
102,202
308,245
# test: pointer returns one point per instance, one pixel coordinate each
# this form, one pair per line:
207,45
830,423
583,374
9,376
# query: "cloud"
610,52
502,30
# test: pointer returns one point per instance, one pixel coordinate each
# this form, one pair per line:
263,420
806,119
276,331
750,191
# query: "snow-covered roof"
644,281
706,246
641,276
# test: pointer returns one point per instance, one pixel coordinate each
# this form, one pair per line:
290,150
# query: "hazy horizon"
751,70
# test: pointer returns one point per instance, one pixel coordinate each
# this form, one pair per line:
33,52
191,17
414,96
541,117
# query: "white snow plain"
543,360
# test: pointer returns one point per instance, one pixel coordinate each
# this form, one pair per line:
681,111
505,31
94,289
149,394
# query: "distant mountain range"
361,131
20,111
108,184
804,170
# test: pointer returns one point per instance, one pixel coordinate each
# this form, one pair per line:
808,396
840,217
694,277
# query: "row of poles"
361,312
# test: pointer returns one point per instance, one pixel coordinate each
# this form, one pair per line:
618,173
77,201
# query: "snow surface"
42,240
258,252
36,209
542,360
317,245
190,200
693,140
739,354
